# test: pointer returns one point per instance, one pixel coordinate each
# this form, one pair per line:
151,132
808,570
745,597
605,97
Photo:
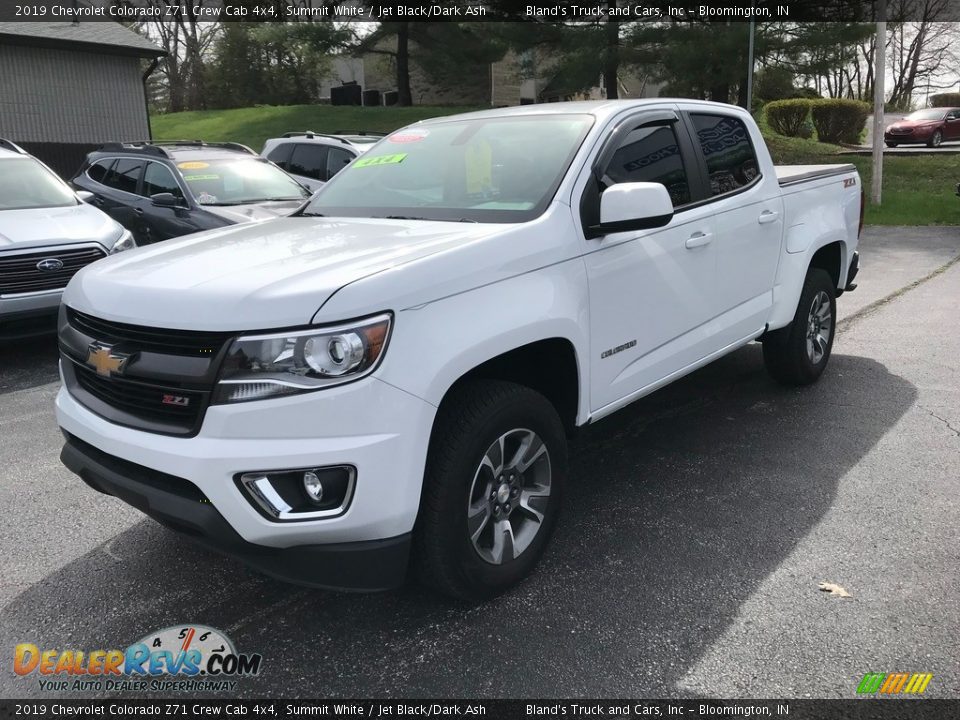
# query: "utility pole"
879,75
750,66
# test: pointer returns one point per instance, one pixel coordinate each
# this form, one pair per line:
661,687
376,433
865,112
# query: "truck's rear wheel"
492,489
798,353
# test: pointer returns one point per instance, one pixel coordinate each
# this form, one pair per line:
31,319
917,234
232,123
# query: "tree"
922,53
695,58
187,40
444,51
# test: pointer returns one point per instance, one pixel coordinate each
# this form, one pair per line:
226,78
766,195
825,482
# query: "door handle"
698,239
767,216
138,211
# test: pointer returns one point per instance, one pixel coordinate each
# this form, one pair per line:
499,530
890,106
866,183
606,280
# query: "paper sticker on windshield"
191,178
478,163
408,136
193,165
379,160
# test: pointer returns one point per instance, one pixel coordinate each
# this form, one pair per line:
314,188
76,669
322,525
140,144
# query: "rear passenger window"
337,160
98,170
652,154
309,161
731,161
157,179
124,175
281,155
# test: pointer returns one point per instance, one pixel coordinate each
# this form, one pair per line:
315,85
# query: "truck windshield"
238,182
25,184
504,169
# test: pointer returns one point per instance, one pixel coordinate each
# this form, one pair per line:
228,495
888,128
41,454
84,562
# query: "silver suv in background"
47,234
313,158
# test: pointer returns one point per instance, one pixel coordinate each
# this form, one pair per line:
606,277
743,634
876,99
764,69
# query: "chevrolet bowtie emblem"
106,362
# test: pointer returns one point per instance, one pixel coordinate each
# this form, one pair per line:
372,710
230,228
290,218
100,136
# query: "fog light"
303,494
312,486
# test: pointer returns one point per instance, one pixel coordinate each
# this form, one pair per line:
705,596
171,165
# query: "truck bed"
794,174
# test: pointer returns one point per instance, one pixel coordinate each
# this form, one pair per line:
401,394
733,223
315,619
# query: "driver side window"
651,154
158,179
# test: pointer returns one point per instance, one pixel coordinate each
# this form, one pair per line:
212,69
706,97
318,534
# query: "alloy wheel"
819,327
509,496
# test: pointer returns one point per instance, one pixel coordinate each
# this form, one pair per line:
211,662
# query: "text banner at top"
457,11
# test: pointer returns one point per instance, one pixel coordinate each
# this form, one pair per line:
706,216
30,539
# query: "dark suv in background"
161,190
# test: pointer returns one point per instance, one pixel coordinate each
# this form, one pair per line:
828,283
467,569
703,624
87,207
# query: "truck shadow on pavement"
676,510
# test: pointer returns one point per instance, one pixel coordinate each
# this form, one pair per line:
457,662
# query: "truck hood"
255,276
47,227
254,212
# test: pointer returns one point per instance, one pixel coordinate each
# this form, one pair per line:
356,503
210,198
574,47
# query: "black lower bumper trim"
180,505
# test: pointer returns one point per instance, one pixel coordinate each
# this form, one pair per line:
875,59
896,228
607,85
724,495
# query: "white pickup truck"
388,377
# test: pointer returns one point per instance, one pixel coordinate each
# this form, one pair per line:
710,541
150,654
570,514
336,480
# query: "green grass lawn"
252,126
917,190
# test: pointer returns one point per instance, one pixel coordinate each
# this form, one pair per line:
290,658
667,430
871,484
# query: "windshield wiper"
308,214
252,201
415,217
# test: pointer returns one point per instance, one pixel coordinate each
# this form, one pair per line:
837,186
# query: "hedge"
945,100
838,120
787,117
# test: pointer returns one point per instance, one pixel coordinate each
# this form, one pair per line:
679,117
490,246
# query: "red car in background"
931,127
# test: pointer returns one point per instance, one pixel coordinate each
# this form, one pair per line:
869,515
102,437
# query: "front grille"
165,384
143,403
192,343
19,273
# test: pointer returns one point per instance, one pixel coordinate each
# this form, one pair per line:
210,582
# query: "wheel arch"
829,253
550,366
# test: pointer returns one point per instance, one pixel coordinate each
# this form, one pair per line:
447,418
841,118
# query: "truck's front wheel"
492,489
798,353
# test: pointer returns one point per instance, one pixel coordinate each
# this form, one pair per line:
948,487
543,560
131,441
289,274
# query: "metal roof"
104,37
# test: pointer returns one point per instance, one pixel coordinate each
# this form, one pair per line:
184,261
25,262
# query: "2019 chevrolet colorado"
391,374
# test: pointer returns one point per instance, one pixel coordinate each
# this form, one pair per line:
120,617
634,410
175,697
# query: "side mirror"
166,200
84,195
633,206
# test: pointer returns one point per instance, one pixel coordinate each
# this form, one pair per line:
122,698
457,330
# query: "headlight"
124,242
265,366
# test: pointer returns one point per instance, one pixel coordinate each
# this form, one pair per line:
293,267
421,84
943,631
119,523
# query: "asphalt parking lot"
697,526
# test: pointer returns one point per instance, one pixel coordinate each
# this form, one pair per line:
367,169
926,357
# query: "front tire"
891,144
935,139
492,488
798,353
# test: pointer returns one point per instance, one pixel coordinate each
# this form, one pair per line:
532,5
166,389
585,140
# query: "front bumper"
916,135
380,430
179,505
29,314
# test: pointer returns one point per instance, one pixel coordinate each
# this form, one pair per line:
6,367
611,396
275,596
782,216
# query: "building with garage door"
65,88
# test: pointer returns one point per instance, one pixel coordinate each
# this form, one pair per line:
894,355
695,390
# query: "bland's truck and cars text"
388,377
